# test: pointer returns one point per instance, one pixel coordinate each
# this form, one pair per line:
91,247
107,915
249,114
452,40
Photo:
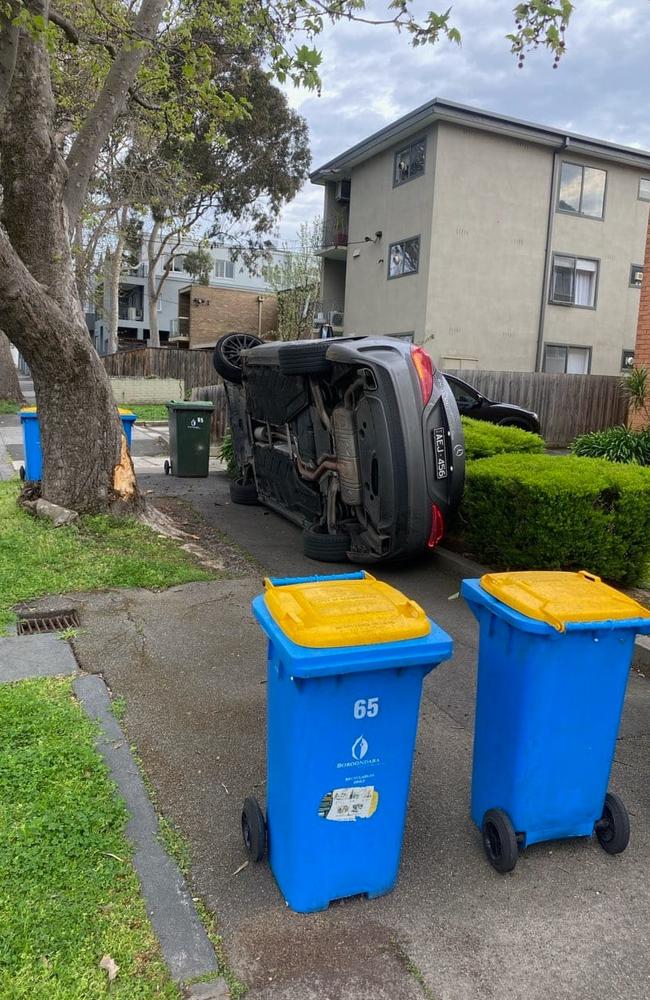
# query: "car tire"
499,840
613,829
318,544
304,359
243,493
227,354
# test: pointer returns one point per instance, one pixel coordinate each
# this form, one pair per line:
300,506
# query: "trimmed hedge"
546,512
483,439
616,444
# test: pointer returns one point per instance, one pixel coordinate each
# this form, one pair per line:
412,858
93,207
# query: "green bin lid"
192,404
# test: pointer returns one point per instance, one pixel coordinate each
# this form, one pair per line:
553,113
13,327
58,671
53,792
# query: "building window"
224,269
178,263
627,360
644,189
560,359
582,190
409,162
636,275
573,281
404,257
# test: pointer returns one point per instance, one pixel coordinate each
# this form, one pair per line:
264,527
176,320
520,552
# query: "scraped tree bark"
86,463
9,384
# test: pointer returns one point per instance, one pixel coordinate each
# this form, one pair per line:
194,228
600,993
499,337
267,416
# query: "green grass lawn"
148,411
7,406
103,552
68,891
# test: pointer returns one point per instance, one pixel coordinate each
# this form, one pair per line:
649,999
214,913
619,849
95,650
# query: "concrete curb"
25,657
459,564
185,945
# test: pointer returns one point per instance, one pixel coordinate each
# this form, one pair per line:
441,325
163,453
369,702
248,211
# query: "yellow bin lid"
339,612
560,598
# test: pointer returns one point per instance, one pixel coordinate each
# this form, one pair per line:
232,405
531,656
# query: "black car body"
357,440
472,403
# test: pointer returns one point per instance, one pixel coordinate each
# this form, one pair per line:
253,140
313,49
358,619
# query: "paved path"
571,922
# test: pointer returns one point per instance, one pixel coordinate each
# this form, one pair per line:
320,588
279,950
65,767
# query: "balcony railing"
335,234
130,313
179,326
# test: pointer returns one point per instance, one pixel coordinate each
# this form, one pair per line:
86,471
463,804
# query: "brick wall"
226,310
642,349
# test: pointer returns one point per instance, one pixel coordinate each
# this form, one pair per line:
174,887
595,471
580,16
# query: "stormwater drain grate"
54,621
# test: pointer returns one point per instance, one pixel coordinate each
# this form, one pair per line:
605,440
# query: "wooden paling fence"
217,394
567,404
194,367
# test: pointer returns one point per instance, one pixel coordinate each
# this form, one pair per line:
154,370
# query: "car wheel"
304,359
244,493
317,543
253,829
613,830
499,840
227,354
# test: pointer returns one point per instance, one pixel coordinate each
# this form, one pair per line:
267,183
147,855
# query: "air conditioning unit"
335,318
637,276
343,190
319,319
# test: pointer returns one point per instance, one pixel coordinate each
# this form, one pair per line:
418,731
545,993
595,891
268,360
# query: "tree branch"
75,36
110,103
8,51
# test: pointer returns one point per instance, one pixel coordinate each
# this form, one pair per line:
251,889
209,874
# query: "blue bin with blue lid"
555,651
347,656
32,470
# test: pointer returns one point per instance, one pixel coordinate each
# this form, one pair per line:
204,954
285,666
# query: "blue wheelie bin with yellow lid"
555,650
347,656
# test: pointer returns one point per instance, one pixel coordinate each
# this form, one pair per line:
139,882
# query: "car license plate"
440,452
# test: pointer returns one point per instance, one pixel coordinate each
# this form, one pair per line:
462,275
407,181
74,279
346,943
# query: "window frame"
177,270
580,214
567,348
575,258
225,261
642,197
633,268
624,353
404,274
411,144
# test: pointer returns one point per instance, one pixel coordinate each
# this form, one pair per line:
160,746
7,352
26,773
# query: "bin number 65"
366,707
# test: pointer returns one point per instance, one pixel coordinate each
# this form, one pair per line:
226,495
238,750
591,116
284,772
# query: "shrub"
483,439
617,444
227,454
546,512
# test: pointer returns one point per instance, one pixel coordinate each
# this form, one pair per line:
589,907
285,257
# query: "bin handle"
284,581
589,576
551,619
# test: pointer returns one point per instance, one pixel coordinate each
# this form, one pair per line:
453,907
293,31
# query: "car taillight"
424,368
437,527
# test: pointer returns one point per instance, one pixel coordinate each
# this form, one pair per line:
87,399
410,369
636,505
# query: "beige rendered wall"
486,269
215,311
373,303
618,241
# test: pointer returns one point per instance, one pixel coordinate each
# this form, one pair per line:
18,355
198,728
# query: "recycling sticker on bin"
349,804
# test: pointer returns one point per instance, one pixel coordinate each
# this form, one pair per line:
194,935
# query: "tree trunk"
9,384
153,290
86,466
115,272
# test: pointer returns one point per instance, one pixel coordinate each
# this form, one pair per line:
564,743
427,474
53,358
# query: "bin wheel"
253,829
613,829
500,840
21,472
167,467
244,493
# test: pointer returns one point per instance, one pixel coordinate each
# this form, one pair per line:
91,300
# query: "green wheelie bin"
189,438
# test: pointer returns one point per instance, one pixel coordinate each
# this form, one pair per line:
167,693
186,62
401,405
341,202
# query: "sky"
371,76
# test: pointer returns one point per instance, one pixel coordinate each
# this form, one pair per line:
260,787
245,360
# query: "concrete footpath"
570,922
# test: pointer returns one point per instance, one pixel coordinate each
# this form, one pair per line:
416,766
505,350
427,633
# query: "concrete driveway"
570,922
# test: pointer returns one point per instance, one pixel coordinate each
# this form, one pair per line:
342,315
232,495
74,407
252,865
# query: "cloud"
371,76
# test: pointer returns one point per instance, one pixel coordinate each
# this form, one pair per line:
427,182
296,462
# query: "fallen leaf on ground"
241,868
110,966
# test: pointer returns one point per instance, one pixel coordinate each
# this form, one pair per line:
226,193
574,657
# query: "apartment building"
232,283
496,243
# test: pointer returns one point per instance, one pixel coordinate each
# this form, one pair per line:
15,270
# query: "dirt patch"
219,547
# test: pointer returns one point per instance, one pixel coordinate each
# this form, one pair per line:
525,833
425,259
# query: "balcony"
334,240
130,313
179,329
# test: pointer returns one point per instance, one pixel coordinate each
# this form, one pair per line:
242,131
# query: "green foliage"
227,454
153,412
8,406
198,263
540,23
616,444
483,439
69,891
546,512
37,558
635,386
296,281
